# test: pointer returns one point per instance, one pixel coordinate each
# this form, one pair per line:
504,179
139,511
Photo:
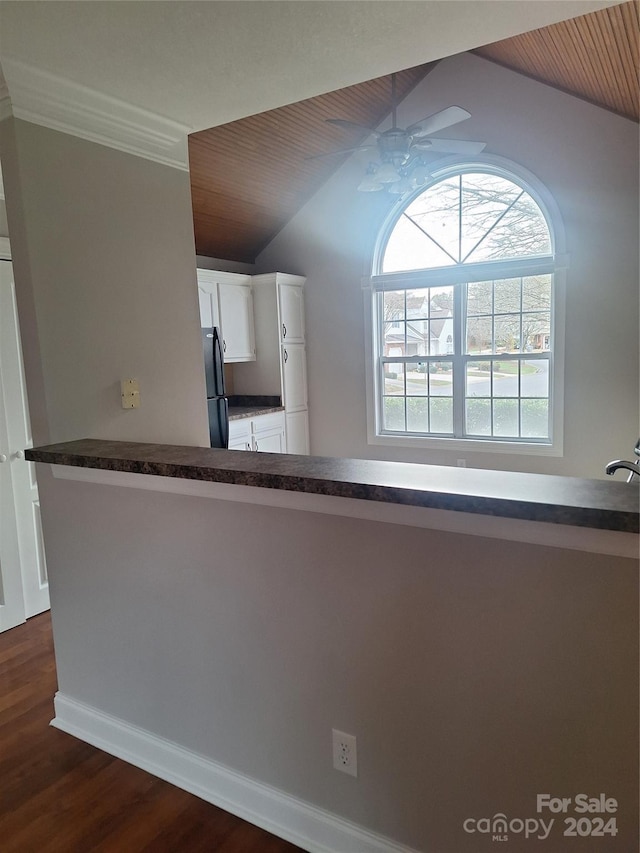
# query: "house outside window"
467,324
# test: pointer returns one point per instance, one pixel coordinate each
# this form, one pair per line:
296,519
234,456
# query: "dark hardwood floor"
59,795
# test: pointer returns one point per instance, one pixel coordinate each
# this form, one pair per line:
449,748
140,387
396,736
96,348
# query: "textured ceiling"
249,177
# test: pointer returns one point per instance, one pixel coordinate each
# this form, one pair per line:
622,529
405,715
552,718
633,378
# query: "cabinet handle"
19,454
248,446
286,356
257,446
224,346
284,331
3,457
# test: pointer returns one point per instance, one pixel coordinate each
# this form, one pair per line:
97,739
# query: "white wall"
4,227
588,160
474,673
104,262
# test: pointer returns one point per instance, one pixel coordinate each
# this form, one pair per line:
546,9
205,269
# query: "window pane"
535,378
507,333
484,199
478,335
505,378
393,305
418,378
522,232
507,296
436,211
441,414
536,292
478,379
394,344
534,416
536,332
410,249
417,304
441,379
417,414
440,301
505,418
393,412
417,337
480,297
478,417
393,378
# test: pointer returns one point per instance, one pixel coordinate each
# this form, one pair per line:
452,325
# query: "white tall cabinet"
280,367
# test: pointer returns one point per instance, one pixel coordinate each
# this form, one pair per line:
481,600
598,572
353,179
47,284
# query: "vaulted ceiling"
249,177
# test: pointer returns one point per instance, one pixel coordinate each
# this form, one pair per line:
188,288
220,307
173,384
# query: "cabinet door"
240,435
268,433
269,442
298,433
236,312
294,374
208,298
291,301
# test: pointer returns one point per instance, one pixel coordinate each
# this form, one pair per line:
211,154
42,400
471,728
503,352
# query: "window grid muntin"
459,172
460,360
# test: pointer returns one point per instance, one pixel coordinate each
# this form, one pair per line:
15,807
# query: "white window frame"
557,265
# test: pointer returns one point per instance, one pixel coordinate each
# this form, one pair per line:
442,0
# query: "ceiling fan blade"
450,146
438,121
341,151
351,125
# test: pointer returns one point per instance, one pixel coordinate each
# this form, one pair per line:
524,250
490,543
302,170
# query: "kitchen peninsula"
475,630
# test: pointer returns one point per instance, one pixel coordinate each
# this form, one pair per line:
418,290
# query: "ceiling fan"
400,166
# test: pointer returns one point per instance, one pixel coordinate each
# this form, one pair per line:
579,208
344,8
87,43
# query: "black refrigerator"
217,402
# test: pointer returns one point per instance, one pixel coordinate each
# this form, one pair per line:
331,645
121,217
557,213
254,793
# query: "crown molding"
44,98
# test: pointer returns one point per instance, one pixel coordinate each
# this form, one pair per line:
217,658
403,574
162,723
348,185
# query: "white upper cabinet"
226,301
291,305
236,311
209,313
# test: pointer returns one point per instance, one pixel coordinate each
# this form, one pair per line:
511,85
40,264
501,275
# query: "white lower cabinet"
263,433
240,434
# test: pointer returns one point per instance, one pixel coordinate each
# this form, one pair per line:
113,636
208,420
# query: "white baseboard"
310,828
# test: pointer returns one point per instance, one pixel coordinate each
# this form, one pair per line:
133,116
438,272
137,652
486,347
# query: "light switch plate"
130,393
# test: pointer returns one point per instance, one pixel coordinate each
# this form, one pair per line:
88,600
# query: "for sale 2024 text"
591,817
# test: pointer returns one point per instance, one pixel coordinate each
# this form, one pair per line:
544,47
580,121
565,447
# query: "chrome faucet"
634,467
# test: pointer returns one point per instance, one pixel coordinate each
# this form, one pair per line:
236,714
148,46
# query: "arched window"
464,319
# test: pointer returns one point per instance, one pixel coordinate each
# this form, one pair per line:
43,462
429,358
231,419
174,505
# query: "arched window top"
467,216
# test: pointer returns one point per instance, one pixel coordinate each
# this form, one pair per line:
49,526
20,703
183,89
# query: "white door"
294,374
33,570
291,299
11,598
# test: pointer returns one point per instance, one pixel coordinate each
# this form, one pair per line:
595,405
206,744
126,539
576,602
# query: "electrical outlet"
345,756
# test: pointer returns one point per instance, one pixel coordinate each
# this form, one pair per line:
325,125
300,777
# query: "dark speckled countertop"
535,497
238,412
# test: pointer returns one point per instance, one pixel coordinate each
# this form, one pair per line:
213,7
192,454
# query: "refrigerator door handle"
223,413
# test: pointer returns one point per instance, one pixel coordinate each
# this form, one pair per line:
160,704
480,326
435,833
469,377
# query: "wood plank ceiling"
249,177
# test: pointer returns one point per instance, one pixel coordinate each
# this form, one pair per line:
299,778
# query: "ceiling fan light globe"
370,184
387,174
